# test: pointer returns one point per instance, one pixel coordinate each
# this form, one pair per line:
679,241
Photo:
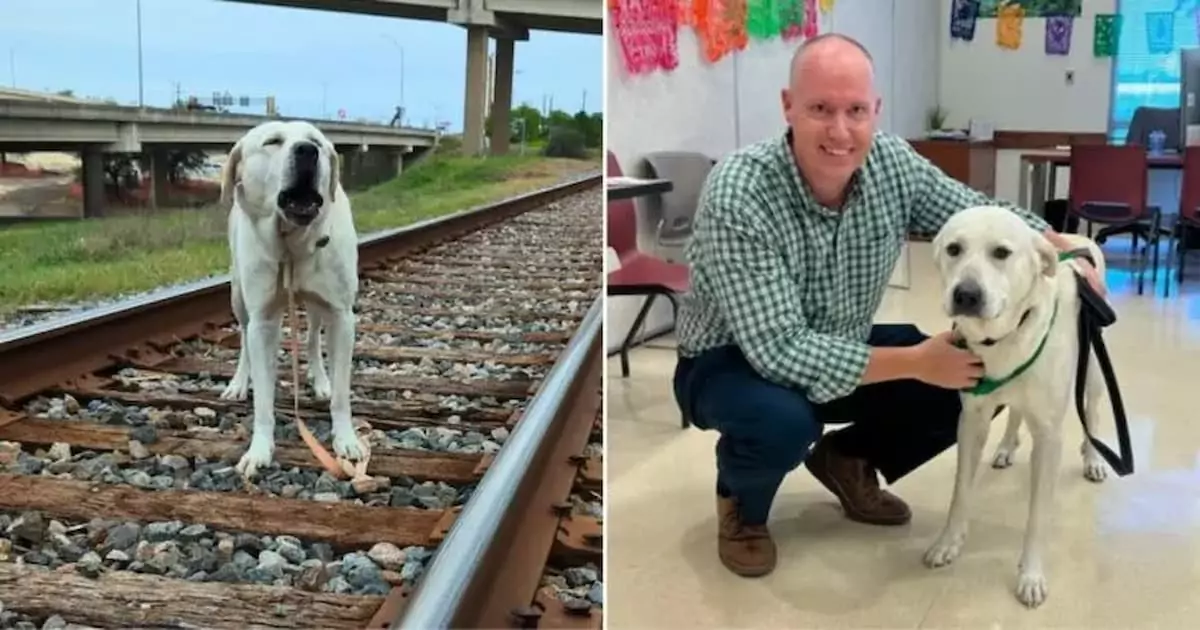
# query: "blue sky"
313,62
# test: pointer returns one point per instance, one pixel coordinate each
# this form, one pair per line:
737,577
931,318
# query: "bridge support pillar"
92,159
502,98
159,178
350,158
476,92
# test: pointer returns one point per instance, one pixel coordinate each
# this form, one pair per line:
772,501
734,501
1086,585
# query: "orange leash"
327,461
340,469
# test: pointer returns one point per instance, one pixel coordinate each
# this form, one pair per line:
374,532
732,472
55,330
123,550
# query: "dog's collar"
987,385
286,230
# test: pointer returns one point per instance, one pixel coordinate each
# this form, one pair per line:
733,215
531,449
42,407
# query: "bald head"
830,54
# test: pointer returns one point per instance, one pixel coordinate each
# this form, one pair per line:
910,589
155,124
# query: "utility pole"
141,93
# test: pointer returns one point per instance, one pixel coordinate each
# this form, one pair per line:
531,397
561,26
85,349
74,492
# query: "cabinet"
972,163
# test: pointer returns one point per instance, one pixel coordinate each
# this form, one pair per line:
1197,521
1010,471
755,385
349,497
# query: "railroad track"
478,368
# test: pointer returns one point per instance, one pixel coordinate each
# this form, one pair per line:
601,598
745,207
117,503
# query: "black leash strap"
1094,315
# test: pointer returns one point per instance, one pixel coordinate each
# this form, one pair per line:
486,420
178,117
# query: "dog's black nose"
305,152
967,298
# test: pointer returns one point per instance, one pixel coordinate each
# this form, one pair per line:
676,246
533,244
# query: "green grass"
103,258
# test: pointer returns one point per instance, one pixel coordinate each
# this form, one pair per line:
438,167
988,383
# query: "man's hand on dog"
940,362
1089,272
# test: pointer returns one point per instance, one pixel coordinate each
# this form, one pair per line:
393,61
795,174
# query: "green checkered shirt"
796,285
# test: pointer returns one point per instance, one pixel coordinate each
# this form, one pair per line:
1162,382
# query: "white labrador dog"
1007,293
290,228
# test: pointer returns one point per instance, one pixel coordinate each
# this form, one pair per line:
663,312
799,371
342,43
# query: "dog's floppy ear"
1047,254
335,171
229,172
938,244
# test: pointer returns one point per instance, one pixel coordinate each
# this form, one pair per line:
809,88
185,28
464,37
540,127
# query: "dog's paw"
322,390
1004,457
945,550
347,446
236,389
1031,588
1094,469
258,455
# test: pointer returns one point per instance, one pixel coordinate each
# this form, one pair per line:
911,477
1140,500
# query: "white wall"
715,108
1027,90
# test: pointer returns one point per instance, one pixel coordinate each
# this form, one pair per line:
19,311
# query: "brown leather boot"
854,482
747,550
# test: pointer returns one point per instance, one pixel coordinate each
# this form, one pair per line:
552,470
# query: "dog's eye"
273,141
1000,253
953,249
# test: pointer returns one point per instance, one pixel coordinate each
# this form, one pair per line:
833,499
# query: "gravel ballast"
200,554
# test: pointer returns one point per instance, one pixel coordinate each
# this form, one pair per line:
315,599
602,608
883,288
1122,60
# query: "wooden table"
618,188
1038,174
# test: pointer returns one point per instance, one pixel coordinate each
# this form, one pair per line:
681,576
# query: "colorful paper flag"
1160,32
646,34
721,25
791,18
1009,21
763,19
1058,34
963,16
808,25
1107,35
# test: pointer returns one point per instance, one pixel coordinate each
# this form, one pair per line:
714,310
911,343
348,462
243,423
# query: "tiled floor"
1123,554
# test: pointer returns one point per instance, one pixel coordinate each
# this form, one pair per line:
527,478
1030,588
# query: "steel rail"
42,355
455,570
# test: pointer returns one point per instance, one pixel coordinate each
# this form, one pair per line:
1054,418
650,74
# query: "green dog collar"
987,385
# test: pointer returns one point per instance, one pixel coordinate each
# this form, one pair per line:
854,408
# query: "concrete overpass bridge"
28,124
506,21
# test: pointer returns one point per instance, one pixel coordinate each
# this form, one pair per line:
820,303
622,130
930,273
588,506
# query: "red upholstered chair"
1109,184
641,273
1188,223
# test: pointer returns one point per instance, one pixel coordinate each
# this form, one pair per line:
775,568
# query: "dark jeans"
767,429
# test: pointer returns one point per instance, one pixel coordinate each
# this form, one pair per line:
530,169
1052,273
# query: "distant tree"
592,128
558,118
181,164
123,171
565,141
534,125
586,130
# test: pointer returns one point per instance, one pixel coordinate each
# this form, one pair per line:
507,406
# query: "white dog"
1008,294
290,228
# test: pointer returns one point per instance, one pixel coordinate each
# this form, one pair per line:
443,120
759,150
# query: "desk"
1038,174
618,188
